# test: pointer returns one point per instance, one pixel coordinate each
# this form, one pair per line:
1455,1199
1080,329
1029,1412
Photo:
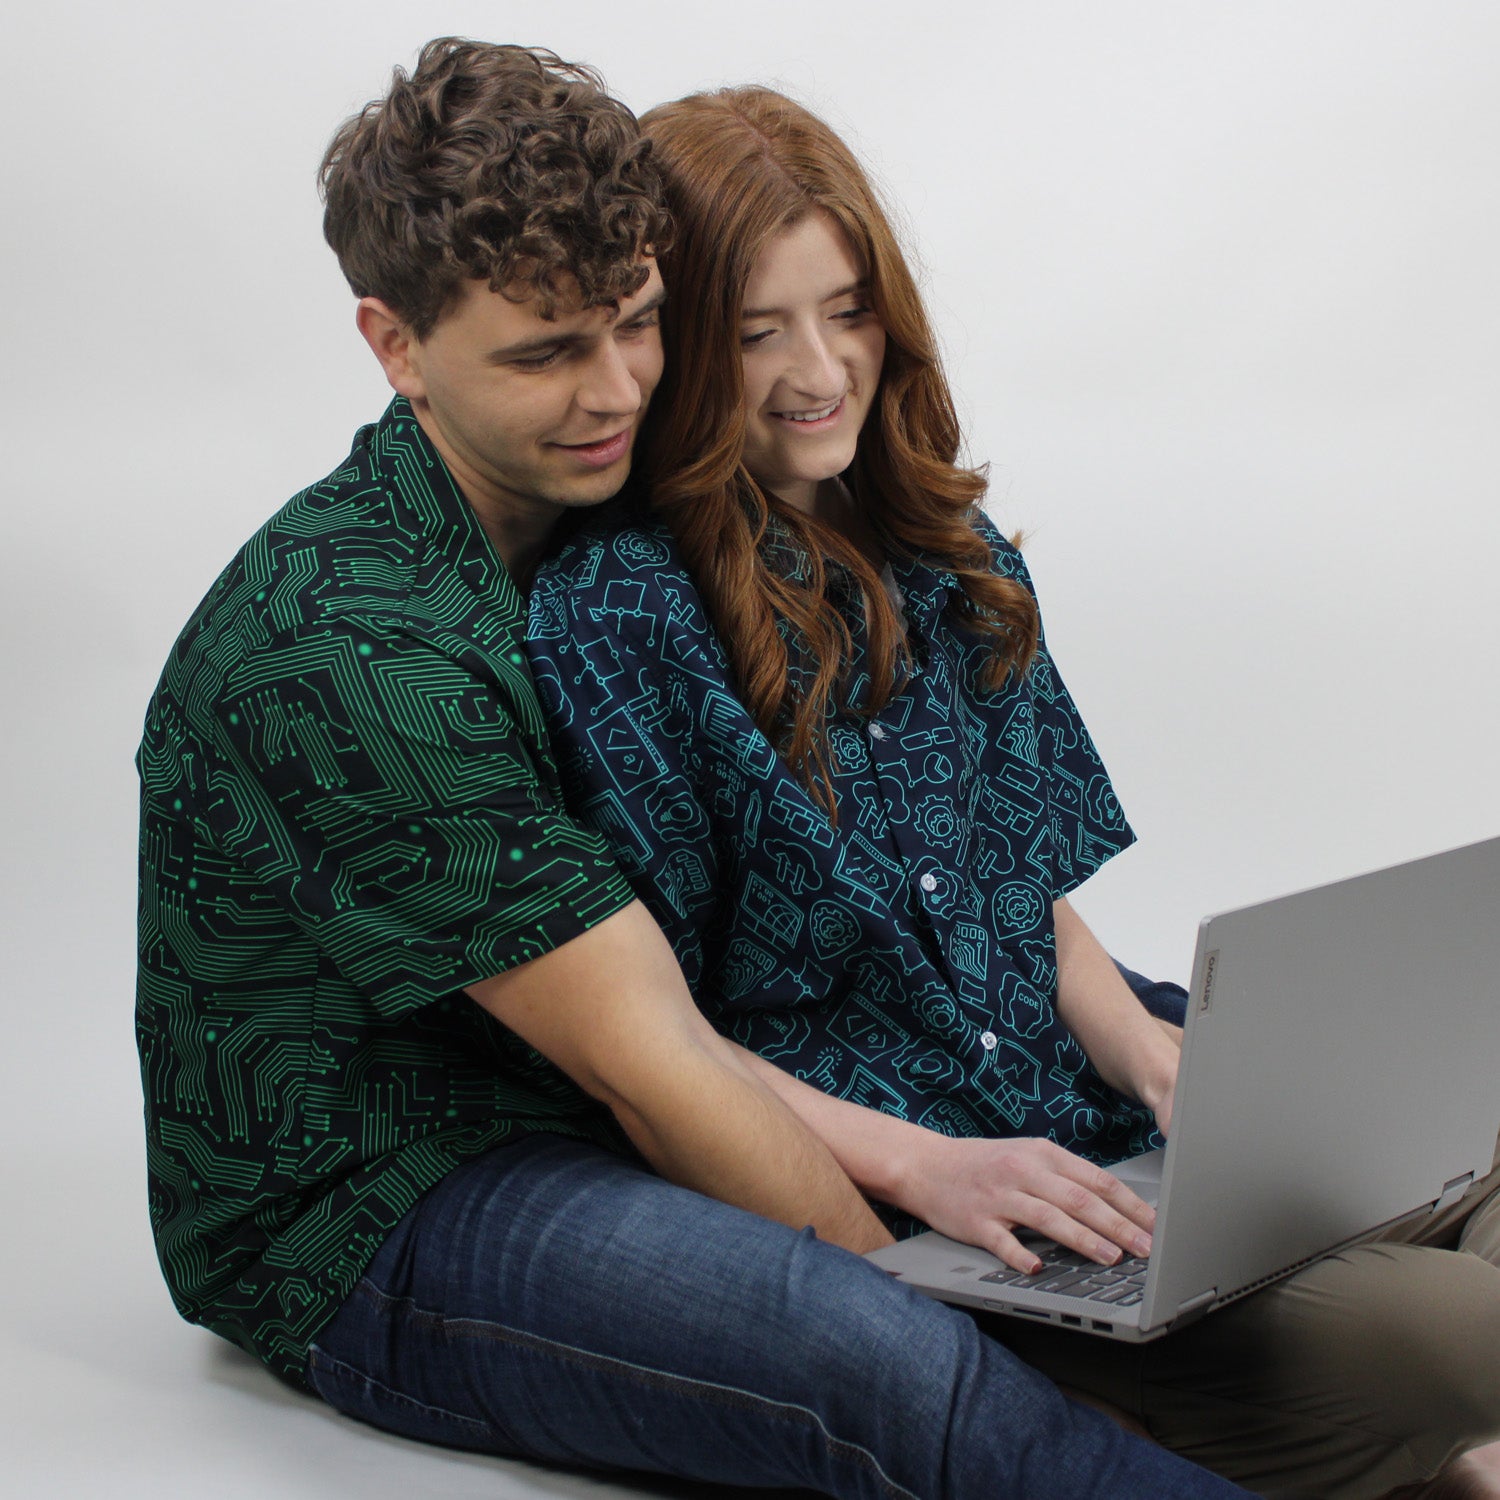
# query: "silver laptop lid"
1341,1068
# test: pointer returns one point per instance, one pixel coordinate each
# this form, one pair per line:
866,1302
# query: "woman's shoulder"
618,575
619,553
618,543
1005,554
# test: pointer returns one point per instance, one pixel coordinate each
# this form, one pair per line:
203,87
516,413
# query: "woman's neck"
832,504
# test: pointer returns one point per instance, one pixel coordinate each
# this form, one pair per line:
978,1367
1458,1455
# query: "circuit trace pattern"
349,811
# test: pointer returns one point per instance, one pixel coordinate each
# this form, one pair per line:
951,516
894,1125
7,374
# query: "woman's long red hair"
742,165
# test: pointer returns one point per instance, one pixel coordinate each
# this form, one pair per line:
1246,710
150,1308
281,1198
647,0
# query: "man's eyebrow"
546,343
543,343
862,285
654,304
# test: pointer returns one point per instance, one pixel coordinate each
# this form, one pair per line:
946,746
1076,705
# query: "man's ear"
393,344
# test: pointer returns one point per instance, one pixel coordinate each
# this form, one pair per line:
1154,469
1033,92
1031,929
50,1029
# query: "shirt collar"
419,482
925,589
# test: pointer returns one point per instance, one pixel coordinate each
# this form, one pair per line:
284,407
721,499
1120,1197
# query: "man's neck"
519,540
518,534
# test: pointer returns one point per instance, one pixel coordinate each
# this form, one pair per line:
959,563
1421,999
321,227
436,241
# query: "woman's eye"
853,314
750,340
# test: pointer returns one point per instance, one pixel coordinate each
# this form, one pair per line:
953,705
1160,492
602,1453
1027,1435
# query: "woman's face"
812,350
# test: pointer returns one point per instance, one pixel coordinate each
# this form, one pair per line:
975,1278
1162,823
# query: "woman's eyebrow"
862,285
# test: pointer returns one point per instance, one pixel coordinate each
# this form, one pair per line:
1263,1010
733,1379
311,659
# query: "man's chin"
604,485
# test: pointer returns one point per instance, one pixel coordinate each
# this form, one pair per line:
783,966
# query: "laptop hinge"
1194,1305
1453,1191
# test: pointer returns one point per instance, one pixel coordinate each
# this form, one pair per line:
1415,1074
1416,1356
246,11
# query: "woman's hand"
981,1191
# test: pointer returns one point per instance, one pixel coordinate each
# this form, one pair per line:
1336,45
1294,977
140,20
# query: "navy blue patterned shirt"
903,958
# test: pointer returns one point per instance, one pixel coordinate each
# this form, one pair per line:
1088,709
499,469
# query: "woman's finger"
1074,1232
1101,1185
1003,1245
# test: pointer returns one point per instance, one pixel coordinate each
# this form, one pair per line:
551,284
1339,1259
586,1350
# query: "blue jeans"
552,1301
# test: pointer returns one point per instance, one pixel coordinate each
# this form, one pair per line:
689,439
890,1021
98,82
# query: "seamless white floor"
1216,289
106,1395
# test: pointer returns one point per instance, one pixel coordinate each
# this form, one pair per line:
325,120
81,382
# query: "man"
434,1127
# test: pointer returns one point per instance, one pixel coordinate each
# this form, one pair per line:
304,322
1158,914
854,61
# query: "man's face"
535,416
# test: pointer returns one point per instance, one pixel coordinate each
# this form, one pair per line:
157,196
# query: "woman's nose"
815,369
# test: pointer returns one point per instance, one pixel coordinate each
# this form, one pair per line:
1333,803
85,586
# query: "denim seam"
713,1391
317,1356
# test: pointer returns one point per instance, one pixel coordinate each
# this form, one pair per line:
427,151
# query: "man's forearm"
976,1190
724,1131
877,1151
610,1008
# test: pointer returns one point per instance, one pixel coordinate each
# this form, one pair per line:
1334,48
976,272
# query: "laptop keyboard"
1066,1273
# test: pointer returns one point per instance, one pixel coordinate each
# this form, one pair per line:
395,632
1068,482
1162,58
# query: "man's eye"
534,362
640,325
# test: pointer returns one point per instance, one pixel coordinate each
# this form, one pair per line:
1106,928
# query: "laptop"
1340,1071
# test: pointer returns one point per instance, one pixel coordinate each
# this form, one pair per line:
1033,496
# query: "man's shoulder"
385,531
382,544
381,552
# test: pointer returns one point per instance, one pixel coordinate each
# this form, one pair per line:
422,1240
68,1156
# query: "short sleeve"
380,786
1087,823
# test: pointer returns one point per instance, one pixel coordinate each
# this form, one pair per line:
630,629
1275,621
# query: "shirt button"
989,1041
928,882
877,732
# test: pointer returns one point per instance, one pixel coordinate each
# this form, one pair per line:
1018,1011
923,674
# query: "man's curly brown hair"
500,163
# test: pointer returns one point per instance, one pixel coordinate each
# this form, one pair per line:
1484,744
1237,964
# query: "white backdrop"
1218,289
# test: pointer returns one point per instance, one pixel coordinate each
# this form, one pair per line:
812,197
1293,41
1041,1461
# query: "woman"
809,703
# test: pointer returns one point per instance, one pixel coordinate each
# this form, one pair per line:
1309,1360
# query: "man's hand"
611,1009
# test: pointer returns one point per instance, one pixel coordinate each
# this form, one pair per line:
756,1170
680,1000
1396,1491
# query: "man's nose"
609,386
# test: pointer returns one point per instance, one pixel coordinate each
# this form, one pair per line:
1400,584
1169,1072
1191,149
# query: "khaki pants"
1366,1371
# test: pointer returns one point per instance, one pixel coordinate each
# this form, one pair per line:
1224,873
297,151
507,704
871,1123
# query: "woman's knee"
1408,1335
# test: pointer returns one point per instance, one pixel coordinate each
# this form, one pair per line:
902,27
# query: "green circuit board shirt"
349,811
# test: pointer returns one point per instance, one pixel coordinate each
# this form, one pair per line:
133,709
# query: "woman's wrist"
897,1168
1151,1072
